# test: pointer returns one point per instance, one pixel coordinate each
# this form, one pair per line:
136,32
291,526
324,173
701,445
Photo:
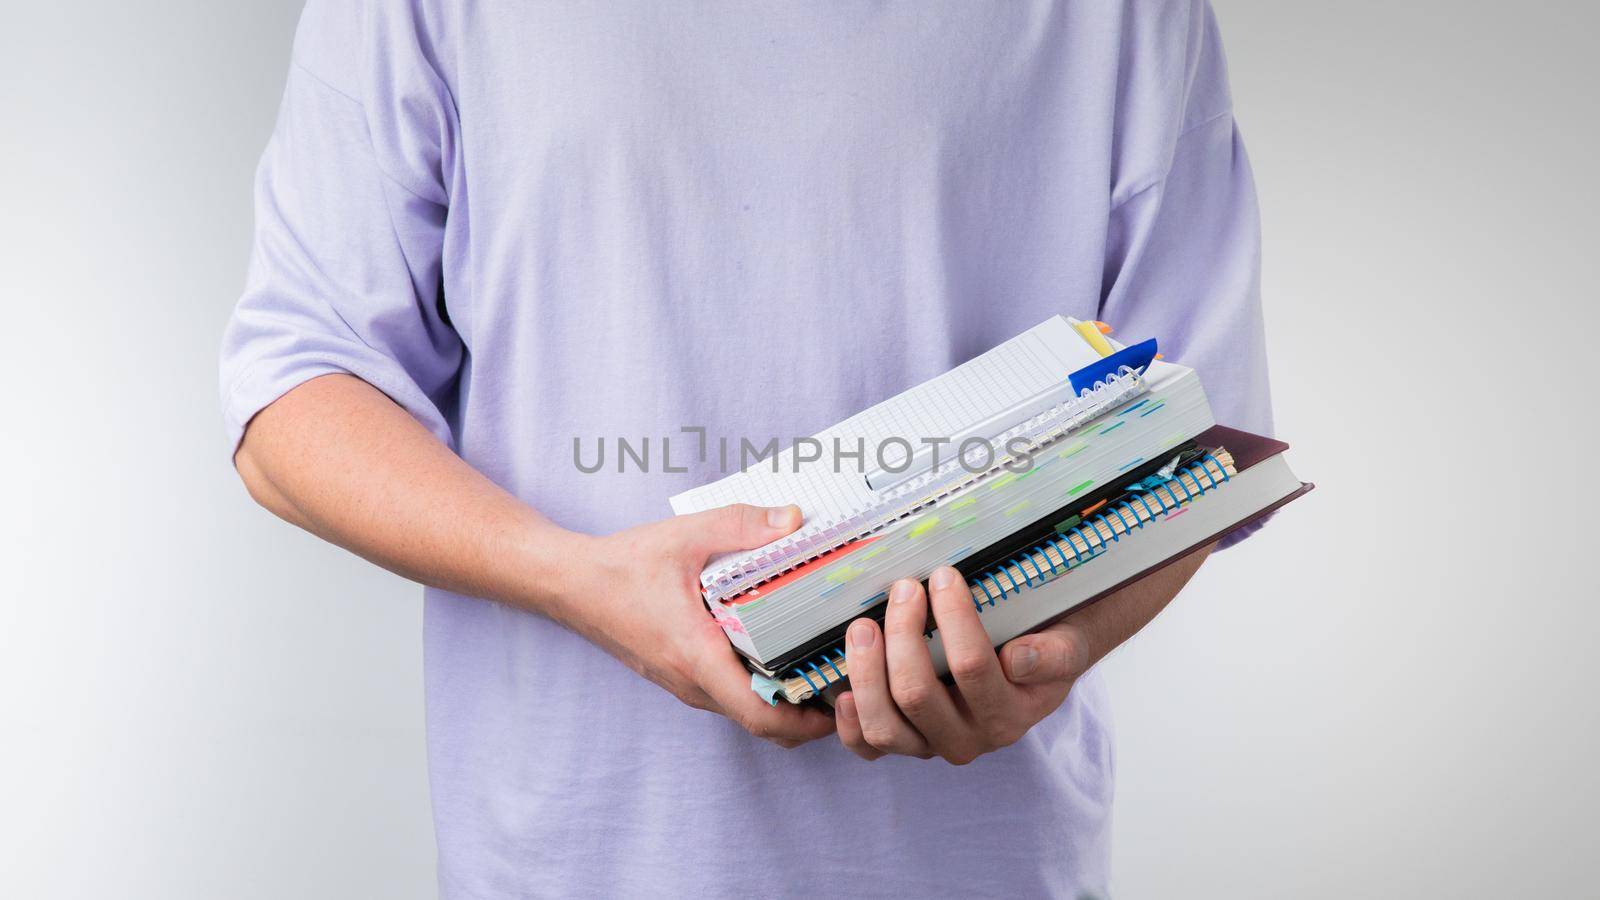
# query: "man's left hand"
897,705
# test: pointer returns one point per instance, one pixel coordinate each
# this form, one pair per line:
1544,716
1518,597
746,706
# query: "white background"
1387,693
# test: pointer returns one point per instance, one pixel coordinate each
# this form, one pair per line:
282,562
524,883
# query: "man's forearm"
1111,622
338,458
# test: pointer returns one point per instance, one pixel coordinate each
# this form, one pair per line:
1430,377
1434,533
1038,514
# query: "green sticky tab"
1069,524
1002,481
844,574
1073,450
766,688
924,526
1074,491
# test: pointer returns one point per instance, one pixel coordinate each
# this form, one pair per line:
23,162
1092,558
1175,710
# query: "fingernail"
1024,659
902,591
846,706
944,577
779,516
862,634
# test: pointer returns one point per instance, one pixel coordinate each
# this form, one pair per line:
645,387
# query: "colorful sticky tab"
766,688
1068,524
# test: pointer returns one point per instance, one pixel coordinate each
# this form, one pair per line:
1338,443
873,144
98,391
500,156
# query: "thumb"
1058,653
739,527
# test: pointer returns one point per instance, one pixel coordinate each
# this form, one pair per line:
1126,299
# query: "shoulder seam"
1207,121
323,81
1226,111
376,164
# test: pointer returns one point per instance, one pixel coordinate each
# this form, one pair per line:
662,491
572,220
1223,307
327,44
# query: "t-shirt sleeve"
1183,257
345,267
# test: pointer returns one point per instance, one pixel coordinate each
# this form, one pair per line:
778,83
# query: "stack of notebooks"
1051,470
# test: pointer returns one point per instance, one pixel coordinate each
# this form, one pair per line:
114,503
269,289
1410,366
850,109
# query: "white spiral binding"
809,543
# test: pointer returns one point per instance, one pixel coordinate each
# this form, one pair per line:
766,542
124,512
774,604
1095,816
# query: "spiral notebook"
835,498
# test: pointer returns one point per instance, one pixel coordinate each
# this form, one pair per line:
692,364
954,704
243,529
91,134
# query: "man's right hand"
645,609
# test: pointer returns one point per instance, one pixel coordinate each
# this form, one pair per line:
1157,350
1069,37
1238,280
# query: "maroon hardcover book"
1248,450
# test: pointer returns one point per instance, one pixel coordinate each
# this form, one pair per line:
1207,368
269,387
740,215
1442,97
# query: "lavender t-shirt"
534,222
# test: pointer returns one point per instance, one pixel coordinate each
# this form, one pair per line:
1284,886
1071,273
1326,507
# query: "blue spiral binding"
1201,468
987,594
1101,520
830,660
1027,579
1045,552
1124,510
813,666
1144,503
1179,482
1160,502
1077,557
1009,580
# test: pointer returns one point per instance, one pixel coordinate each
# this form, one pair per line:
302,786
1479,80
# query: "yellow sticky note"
1094,337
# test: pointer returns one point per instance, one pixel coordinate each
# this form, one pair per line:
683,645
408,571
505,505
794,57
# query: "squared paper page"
1040,357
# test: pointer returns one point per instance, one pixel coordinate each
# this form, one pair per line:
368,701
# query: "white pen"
923,459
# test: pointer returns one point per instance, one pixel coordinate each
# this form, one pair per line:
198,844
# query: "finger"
972,660
916,689
1056,654
993,701
727,681
882,725
849,721
738,527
